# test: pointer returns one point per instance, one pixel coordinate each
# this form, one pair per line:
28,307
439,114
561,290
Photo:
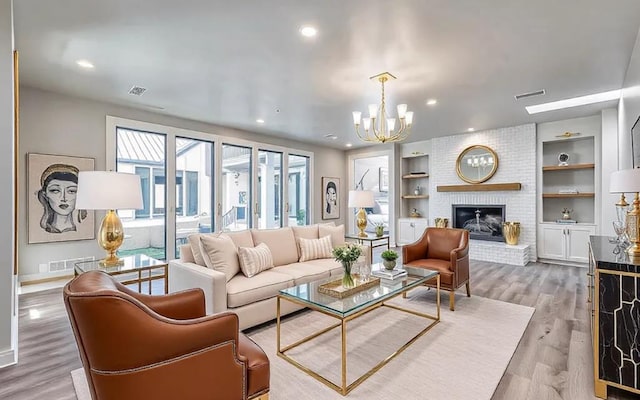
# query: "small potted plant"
379,229
389,258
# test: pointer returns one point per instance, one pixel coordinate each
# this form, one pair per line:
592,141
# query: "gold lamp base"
633,228
361,222
110,238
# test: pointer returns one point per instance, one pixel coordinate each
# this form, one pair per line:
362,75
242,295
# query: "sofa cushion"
194,242
242,290
280,241
219,253
242,238
336,233
186,255
254,260
303,272
326,264
312,249
306,232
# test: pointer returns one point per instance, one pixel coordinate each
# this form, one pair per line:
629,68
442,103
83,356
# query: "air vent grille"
530,94
137,90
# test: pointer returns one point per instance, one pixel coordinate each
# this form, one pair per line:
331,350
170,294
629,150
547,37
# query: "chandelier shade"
378,127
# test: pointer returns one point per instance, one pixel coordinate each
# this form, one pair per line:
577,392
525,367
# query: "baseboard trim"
7,357
44,277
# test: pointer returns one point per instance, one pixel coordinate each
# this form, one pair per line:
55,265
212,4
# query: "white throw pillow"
313,249
336,233
220,253
254,260
194,242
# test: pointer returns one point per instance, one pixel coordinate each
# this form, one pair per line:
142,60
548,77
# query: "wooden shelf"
481,187
413,196
566,195
568,167
415,176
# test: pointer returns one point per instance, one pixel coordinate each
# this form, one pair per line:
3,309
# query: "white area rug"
461,358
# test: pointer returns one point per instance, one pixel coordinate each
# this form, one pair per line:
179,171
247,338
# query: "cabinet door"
553,243
419,226
578,243
406,235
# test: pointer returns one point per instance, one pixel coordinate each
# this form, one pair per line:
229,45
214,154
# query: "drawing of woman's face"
331,195
61,196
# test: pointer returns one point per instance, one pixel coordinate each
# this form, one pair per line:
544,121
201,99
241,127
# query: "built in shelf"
566,195
413,196
481,187
567,167
415,176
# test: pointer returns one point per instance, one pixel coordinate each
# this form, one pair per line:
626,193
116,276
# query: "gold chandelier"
378,127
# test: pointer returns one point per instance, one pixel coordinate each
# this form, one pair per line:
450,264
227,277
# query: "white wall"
629,107
8,317
58,124
609,163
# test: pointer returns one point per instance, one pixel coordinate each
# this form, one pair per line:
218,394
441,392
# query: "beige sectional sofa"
254,298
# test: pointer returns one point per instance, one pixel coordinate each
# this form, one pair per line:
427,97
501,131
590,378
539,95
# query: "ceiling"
232,62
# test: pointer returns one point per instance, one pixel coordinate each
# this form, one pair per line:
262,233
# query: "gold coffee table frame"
345,388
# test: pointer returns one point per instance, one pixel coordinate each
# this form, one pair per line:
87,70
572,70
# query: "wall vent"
137,90
530,94
67,265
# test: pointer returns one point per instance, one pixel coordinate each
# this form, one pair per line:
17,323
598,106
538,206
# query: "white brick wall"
516,149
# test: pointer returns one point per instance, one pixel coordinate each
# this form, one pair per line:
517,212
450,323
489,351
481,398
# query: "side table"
372,240
147,269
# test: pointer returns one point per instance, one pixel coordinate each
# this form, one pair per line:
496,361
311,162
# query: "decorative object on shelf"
416,191
568,134
566,213
511,231
620,228
477,164
347,255
383,179
379,229
52,185
111,191
442,222
389,258
563,159
630,183
330,198
361,199
378,127
414,213
566,221
568,191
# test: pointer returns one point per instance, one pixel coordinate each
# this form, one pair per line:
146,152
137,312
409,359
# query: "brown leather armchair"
445,250
135,346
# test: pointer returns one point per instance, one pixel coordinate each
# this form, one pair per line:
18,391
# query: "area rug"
461,358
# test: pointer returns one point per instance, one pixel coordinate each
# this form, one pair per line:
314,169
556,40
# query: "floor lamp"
111,191
361,199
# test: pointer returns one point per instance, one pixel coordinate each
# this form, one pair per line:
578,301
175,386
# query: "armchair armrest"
416,250
185,275
187,304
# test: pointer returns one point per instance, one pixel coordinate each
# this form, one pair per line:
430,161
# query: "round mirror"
476,164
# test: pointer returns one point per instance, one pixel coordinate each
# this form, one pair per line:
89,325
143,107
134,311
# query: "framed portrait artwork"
330,198
52,184
635,144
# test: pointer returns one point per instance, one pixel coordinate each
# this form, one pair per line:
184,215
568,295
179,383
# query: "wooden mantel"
481,187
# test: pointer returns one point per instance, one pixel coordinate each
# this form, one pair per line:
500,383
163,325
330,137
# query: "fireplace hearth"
484,222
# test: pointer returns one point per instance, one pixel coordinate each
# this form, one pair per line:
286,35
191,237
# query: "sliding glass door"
236,184
269,199
298,199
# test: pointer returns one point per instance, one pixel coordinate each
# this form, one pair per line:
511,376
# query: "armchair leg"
468,290
264,396
452,300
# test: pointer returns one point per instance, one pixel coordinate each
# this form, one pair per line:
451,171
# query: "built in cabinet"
565,242
414,191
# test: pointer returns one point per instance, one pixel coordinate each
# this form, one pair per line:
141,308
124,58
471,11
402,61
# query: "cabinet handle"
412,225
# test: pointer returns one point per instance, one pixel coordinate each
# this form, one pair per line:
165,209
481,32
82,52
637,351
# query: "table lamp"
628,181
361,199
617,183
111,191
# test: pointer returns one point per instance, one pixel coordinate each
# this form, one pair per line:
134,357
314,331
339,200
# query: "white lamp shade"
361,198
107,190
625,181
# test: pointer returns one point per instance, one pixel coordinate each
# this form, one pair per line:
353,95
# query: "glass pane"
269,189
298,190
372,173
194,188
143,153
236,188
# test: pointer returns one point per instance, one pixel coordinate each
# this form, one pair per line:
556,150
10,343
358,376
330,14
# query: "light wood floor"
553,360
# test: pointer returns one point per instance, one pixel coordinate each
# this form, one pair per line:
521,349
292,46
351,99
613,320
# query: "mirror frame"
489,175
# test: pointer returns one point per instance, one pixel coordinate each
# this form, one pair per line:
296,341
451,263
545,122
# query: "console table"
614,295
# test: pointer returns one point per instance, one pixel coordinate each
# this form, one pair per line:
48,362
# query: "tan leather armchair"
445,250
135,346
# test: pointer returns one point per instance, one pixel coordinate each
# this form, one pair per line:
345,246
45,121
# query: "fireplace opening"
484,222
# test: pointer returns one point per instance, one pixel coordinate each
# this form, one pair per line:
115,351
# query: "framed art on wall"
330,198
52,184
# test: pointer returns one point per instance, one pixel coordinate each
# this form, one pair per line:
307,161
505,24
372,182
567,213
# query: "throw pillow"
312,249
336,233
220,254
194,242
254,260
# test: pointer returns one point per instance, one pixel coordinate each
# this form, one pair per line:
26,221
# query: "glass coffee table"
352,307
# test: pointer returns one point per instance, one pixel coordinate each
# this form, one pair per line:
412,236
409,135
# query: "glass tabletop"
129,264
308,292
370,236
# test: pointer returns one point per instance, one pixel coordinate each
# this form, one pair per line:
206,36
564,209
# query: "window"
298,197
269,189
236,187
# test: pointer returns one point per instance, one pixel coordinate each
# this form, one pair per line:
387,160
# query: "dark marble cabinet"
614,292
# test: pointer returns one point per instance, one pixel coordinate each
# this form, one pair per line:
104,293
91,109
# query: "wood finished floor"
553,360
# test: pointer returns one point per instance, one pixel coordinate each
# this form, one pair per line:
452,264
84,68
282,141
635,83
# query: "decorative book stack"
566,221
389,274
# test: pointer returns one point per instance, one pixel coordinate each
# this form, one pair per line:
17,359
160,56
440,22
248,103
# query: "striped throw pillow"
312,249
254,260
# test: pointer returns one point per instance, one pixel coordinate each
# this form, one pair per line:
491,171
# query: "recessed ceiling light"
260,121
574,102
85,64
432,102
471,129
308,31
330,136
348,145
